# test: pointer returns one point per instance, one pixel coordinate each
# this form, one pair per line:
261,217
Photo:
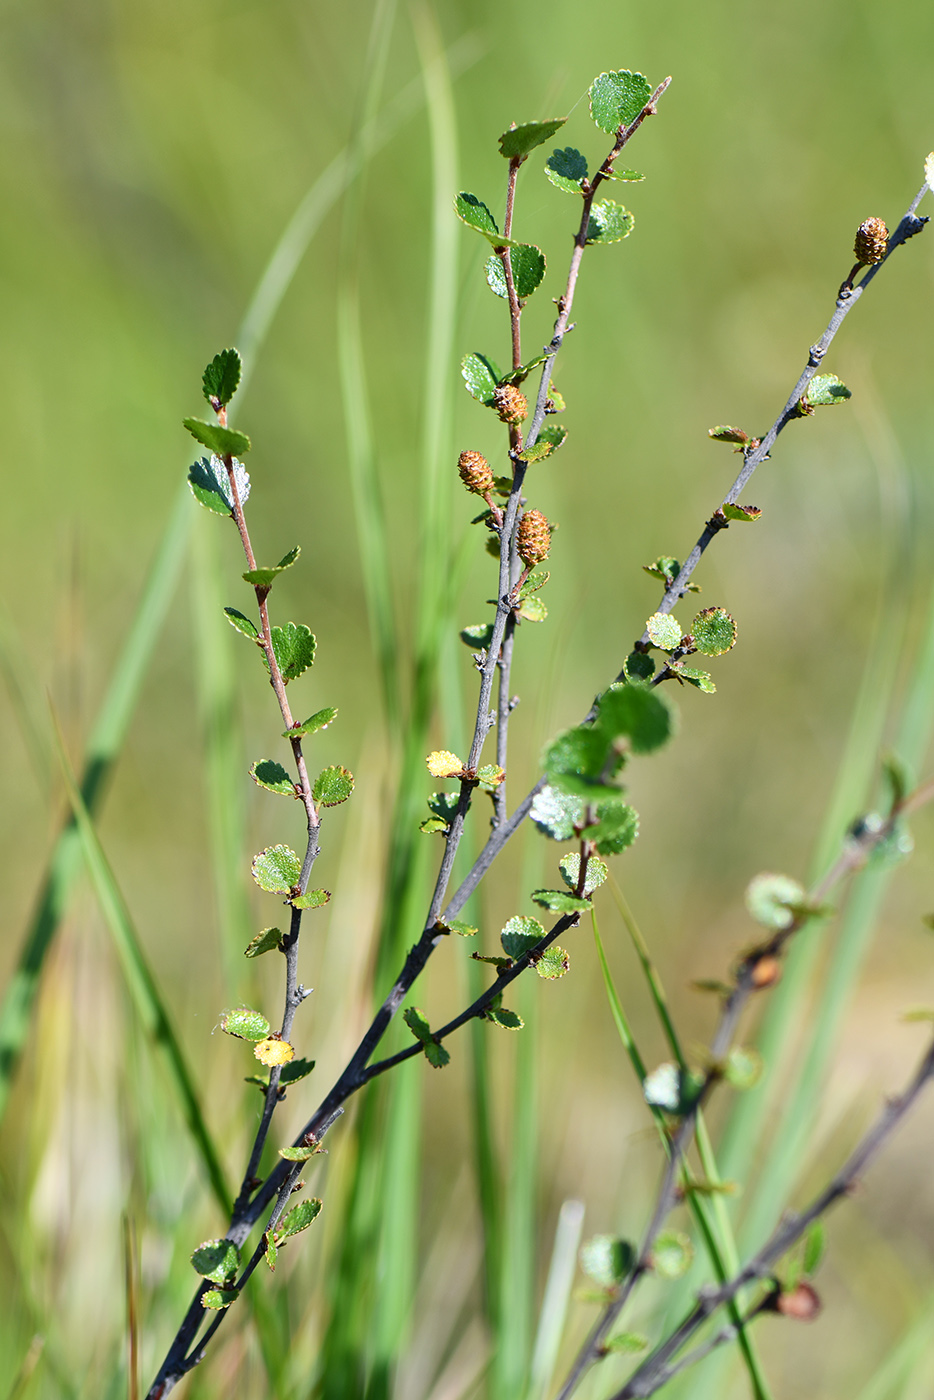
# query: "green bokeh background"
150,158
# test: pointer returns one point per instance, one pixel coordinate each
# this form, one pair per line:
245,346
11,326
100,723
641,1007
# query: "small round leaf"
664,631
332,786
672,1253
714,631
277,869
771,900
245,1023
216,1260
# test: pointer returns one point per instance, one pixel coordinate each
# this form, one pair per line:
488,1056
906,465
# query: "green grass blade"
713,1223
558,1285
103,747
788,1155
142,987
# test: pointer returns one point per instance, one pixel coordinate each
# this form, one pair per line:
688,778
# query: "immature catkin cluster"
475,472
534,538
510,403
872,238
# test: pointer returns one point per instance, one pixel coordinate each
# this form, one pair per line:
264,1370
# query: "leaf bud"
765,973
475,472
801,1304
534,538
872,238
510,403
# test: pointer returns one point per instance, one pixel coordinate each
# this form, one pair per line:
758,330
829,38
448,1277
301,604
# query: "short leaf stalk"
578,799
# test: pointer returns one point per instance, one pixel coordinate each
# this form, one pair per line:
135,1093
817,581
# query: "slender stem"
855,854
755,456
656,1371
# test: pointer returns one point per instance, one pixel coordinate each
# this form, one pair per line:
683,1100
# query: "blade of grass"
103,748
893,1377
140,982
558,1285
714,1225
796,1126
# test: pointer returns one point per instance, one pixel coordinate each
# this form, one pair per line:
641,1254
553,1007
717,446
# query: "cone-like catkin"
872,238
534,539
510,403
475,472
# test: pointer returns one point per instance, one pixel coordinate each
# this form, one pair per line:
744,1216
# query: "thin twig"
656,1371
856,852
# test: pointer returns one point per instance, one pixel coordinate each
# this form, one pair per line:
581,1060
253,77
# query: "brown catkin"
510,403
475,472
872,238
534,538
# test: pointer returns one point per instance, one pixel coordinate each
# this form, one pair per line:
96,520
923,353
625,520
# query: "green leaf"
814,1242
607,1259
560,902
553,963
672,1088
218,1298
294,1071
460,927
664,631
433,826
311,899
225,442
216,1260
714,631
479,636
672,1254
557,813
638,666
272,1253
506,1020
582,761
519,934
825,390
537,452
615,829
555,433
297,1154
264,578
221,378
516,376
242,624
535,581
268,774
319,720
474,213
532,610
644,716
734,511
570,867
481,375
332,786
210,484
294,647
245,1023
631,176
743,1067
520,140
701,680
298,1219
667,569
444,804
627,1342
772,899
616,99
277,869
436,1054
264,942
566,169
490,776
528,269
609,223
723,432
897,776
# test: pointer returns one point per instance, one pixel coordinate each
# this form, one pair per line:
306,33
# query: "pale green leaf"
245,1023
332,786
609,222
264,942
664,631
277,869
210,484
616,99
268,774
225,442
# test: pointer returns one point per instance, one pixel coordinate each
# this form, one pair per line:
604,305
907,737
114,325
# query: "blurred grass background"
151,158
